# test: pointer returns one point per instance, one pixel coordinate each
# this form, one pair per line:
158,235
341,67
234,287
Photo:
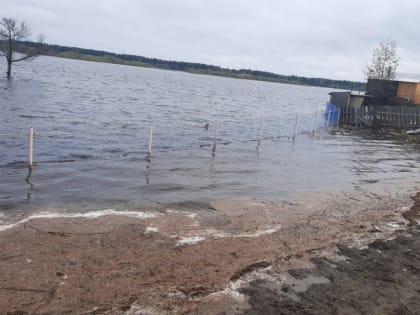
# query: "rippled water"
91,125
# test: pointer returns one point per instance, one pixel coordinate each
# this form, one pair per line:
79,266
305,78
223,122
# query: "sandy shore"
222,257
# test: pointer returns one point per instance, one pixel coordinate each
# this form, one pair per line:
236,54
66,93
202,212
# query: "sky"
316,38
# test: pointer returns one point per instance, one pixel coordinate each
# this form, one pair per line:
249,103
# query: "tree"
384,62
11,34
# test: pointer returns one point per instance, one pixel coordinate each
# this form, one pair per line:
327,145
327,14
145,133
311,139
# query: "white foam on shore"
383,230
151,229
136,309
87,215
394,225
232,290
261,232
258,233
186,213
190,240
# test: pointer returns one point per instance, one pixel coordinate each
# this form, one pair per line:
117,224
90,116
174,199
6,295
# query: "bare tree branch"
383,63
11,34
24,58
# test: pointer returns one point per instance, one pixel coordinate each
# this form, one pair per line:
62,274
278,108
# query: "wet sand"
382,279
222,257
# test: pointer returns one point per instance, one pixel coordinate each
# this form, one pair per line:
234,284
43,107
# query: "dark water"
91,125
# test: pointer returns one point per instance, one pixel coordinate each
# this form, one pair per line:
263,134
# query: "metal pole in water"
31,145
316,117
150,141
296,123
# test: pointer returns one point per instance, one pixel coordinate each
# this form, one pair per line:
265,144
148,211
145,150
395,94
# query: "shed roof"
350,93
408,77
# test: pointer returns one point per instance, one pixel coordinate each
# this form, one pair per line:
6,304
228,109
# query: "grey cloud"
313,38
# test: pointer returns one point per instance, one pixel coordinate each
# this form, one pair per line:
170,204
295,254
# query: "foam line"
190,240
87,215
271,230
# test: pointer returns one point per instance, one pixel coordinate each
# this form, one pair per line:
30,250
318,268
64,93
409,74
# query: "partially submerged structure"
393,104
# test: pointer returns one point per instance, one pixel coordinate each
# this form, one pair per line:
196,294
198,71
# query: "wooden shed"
411,90
393,92
347,99
382,89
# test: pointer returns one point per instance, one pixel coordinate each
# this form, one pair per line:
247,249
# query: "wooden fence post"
296,123
31,145
316,117
216,127
260,131
149,151
338,117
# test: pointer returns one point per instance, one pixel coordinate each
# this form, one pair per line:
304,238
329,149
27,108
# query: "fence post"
216,127
296,123
316,117
348,116
149,152
338,117
260,131
31,145
328,118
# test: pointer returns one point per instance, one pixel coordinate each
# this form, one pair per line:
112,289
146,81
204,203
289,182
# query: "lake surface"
91,124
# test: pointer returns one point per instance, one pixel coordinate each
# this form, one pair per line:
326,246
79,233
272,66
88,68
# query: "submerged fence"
27,148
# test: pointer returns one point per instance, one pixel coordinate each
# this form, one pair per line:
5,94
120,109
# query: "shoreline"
93,55
186,257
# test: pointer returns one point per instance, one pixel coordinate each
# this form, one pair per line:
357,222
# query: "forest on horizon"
191,67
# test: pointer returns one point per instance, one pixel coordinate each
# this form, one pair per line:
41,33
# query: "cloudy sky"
322,38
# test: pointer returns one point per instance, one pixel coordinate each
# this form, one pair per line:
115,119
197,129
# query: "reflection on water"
91,125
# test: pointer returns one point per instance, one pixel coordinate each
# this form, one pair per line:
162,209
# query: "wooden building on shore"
386,104
394,92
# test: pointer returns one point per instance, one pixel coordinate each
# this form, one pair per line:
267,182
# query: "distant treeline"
199,68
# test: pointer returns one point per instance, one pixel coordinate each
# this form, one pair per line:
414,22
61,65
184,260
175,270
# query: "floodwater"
91,123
